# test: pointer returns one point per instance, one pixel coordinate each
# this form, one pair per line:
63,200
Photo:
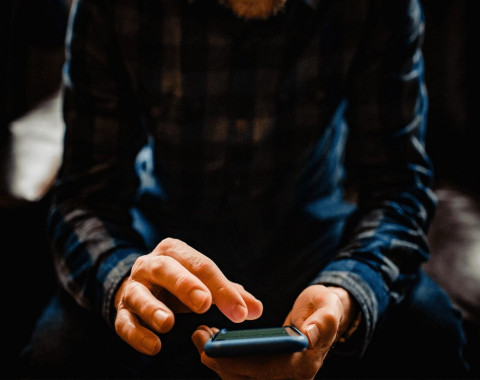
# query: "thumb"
313,334
201,335
310,330
321,328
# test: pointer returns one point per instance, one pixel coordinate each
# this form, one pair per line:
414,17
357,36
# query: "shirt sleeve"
94,244
385,240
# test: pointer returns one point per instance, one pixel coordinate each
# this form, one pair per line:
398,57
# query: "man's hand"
174,277
320,312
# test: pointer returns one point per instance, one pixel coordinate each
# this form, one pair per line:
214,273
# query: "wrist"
352,314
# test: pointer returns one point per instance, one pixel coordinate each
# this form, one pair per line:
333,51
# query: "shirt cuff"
110,276
366,286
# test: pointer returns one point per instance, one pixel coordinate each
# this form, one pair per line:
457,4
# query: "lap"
421,337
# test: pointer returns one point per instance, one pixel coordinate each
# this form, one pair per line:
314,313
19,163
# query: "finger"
239,367
225,295
168,273
322,325
138,298
317,313
257,367
137,336
201,335
321,328
254,306
174,304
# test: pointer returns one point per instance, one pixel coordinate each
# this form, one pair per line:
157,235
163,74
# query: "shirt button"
241,125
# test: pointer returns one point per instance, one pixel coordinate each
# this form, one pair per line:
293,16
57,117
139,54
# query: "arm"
100,258
385,243
89,223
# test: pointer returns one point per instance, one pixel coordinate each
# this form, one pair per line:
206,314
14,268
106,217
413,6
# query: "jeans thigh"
70,342
421,337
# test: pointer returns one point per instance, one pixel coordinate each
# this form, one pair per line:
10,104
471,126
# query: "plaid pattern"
241,114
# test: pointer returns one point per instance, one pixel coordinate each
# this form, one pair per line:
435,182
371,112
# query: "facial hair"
254,9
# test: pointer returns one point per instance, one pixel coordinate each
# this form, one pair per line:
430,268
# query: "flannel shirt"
270,114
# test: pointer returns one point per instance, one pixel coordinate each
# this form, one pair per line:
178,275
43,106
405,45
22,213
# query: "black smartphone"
256,341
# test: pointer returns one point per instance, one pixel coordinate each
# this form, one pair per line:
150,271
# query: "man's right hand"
174,278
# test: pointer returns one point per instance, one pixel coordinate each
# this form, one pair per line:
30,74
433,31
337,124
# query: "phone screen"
256,341
255,333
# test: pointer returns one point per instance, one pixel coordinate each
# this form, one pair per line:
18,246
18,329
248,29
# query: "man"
211,152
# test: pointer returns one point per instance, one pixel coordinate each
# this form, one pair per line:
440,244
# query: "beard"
254,9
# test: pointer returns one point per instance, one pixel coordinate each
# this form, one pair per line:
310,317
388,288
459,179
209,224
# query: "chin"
256,9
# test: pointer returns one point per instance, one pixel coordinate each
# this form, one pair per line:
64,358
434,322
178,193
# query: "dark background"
451,138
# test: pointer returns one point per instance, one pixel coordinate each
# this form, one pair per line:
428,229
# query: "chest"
198,69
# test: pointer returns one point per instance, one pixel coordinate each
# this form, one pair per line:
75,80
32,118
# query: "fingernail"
239,313
159,317
312,334
149,343
198,298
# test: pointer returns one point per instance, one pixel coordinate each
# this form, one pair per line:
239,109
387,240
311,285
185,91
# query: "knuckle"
157,266
239,286
139,265
181,284
145,310
221,291
130,294
167,245
122,324
318,298
330,320
201,264
131,289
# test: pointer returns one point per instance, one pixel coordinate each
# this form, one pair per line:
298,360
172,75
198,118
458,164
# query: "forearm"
385,242
90,226
91,255
380,259
352,314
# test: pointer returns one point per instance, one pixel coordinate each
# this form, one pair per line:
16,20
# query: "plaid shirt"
244,114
